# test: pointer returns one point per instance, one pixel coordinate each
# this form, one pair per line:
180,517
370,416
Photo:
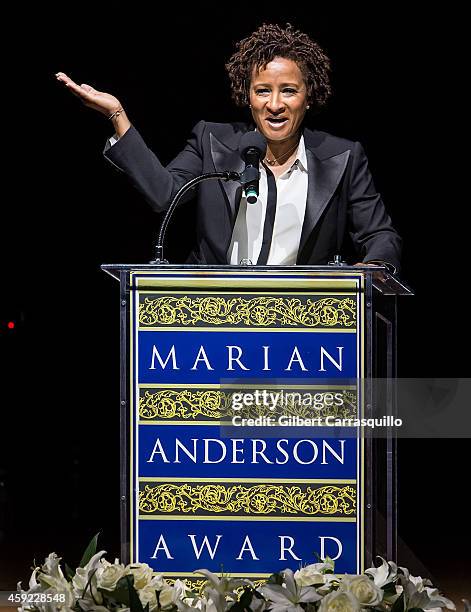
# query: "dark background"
397,80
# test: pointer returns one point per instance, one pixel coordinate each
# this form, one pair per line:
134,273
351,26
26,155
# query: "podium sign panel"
210,489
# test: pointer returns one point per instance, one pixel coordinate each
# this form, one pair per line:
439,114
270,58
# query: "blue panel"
293,358
264,537
305,451
187,346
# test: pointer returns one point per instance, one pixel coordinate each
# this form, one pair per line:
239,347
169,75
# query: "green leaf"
120,594
135,604
246,597
398,604
244,601
275,579
389,589
89,551
89,585
69,572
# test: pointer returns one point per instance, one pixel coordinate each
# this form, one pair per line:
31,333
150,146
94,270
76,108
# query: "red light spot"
11,325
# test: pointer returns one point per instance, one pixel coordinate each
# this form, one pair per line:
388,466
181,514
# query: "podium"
241,392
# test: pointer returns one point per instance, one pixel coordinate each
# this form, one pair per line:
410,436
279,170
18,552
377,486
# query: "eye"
289,91
260,91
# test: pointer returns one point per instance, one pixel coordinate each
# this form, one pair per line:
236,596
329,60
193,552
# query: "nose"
275,104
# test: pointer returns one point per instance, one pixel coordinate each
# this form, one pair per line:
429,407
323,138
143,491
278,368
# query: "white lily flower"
167,595
287,597
309,576
158,582
218,590
33,581
313,584
331,582
437,600
51,566
326,566
419,582
258,604
417,595
197,603
180,588
384,574
86,576
224,583
49,580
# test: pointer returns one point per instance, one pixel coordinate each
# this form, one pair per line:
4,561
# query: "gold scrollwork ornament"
263,311
258,499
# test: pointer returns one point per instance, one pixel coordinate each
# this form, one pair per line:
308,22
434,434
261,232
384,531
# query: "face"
278,97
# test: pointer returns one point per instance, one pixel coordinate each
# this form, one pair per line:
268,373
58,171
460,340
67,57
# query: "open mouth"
277,122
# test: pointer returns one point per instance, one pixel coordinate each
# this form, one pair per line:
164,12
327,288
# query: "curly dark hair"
270,41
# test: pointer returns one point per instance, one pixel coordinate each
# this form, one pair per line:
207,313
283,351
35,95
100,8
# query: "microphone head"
252,140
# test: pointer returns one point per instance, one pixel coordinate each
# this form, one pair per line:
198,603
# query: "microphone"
252,149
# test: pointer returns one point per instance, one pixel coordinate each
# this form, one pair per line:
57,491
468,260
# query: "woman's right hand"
104,103
98,100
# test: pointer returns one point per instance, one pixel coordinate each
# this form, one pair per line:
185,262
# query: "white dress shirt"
291,196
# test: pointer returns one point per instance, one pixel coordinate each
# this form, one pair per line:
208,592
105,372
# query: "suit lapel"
225,157
324,176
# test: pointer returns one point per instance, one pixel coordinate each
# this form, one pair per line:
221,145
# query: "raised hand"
104,103
98,100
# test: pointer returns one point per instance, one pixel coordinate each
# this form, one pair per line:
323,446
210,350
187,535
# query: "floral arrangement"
100,586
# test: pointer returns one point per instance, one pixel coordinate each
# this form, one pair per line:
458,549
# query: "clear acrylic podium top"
381,279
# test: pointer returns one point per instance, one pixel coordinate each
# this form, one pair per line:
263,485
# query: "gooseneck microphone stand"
225,176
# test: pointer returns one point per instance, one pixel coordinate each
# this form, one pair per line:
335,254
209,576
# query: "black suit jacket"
341,202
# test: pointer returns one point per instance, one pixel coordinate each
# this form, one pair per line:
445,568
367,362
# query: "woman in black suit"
315,189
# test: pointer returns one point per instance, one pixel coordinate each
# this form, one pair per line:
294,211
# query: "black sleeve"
158,185
369,224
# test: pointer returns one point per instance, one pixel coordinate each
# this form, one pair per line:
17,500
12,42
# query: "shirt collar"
301,158
300,161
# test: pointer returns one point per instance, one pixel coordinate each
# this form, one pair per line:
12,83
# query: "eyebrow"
282,85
